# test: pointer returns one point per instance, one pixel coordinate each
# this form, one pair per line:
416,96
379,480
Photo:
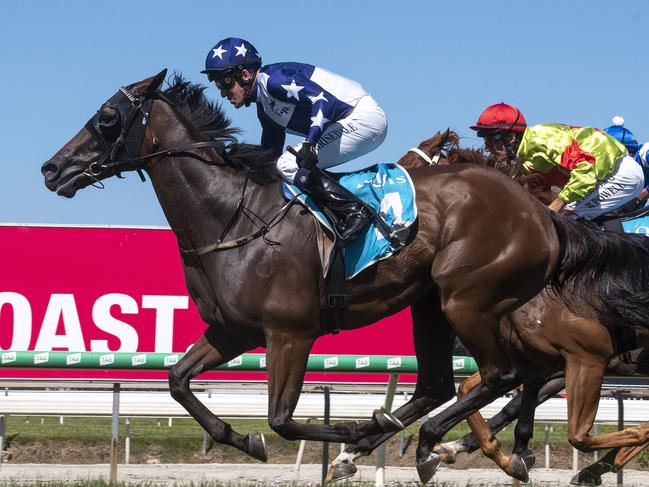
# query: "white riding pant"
624,184
360,132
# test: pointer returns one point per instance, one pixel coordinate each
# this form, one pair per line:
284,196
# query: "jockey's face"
497,142
231,88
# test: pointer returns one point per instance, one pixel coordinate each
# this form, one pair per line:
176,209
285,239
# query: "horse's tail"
607,272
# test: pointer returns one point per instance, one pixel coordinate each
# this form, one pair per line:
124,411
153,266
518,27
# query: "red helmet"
500,116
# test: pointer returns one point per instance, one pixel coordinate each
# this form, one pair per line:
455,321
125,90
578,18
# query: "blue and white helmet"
231,53
623,135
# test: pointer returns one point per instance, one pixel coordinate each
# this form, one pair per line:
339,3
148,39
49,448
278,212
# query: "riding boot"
351,213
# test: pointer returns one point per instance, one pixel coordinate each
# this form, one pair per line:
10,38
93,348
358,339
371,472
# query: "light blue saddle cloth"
388,189
637,225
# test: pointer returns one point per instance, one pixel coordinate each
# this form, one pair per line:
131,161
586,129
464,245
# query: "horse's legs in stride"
212,349
488,442
286,361
433,340
469,443
613,461
475,328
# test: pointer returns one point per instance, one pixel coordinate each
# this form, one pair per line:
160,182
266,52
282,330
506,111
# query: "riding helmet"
623,135
229,53
500,116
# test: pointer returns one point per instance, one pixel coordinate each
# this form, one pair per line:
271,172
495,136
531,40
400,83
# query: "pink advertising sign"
122,289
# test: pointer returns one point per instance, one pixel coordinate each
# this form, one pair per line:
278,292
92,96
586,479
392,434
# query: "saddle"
631,222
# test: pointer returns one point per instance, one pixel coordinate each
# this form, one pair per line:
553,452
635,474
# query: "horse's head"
110,142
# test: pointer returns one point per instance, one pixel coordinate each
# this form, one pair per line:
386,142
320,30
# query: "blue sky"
430,64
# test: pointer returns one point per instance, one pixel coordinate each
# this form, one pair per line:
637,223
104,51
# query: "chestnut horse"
443,149
484,247
549,336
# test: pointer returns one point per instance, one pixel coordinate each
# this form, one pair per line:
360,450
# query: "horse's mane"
448,144
209,119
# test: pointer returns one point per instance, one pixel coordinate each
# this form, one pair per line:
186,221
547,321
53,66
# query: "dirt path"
179,474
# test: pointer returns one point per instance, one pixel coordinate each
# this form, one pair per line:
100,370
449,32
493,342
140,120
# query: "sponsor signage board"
121,289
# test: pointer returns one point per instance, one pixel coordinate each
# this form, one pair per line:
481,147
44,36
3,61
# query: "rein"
109,161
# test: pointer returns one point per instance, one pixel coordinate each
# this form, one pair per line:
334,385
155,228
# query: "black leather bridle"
124,154
133,113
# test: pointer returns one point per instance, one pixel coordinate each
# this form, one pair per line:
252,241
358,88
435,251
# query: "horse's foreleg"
433,341
286,360
468,443
432,431
489,444
212,349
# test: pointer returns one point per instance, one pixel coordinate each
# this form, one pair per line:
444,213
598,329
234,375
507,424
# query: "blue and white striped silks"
389,190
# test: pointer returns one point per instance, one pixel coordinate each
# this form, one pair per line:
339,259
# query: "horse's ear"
151,85
158,79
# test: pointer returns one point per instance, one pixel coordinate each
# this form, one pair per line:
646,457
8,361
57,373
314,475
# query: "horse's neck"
198,199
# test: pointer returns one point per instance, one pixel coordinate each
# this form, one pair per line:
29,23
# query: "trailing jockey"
591,168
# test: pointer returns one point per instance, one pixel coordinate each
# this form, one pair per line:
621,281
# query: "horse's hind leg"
583,384
212,349
613,461
433,341
286,361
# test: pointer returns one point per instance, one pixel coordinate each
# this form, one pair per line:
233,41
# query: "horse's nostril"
49,170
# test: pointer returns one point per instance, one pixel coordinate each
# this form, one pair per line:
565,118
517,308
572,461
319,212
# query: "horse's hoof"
428,467
387,421
529,459
257,446
586,478
519,468
340,471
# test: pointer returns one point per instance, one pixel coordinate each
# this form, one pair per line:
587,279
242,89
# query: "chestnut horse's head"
110,142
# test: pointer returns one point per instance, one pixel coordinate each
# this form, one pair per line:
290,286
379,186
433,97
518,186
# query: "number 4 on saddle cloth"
388,190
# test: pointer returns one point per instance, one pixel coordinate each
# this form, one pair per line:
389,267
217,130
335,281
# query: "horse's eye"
108,118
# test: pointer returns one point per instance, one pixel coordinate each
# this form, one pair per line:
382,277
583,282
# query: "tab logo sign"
458,364
107,359
362,362
8,357
236,362
170,360
138,360
41,358
75,358
394,362
262,363
331,362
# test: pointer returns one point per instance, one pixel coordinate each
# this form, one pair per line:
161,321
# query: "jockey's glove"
307,157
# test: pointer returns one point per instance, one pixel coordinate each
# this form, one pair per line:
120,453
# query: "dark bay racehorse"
483,248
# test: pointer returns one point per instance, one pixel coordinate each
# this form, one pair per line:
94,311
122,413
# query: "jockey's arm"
557,204
582,180
272,135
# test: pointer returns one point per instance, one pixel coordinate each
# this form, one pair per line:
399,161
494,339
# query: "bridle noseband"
431,161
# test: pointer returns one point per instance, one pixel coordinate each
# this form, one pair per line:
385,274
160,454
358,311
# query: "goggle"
223,81
496,138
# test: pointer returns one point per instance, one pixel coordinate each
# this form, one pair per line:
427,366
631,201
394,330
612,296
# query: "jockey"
591,168
633,148
338,119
